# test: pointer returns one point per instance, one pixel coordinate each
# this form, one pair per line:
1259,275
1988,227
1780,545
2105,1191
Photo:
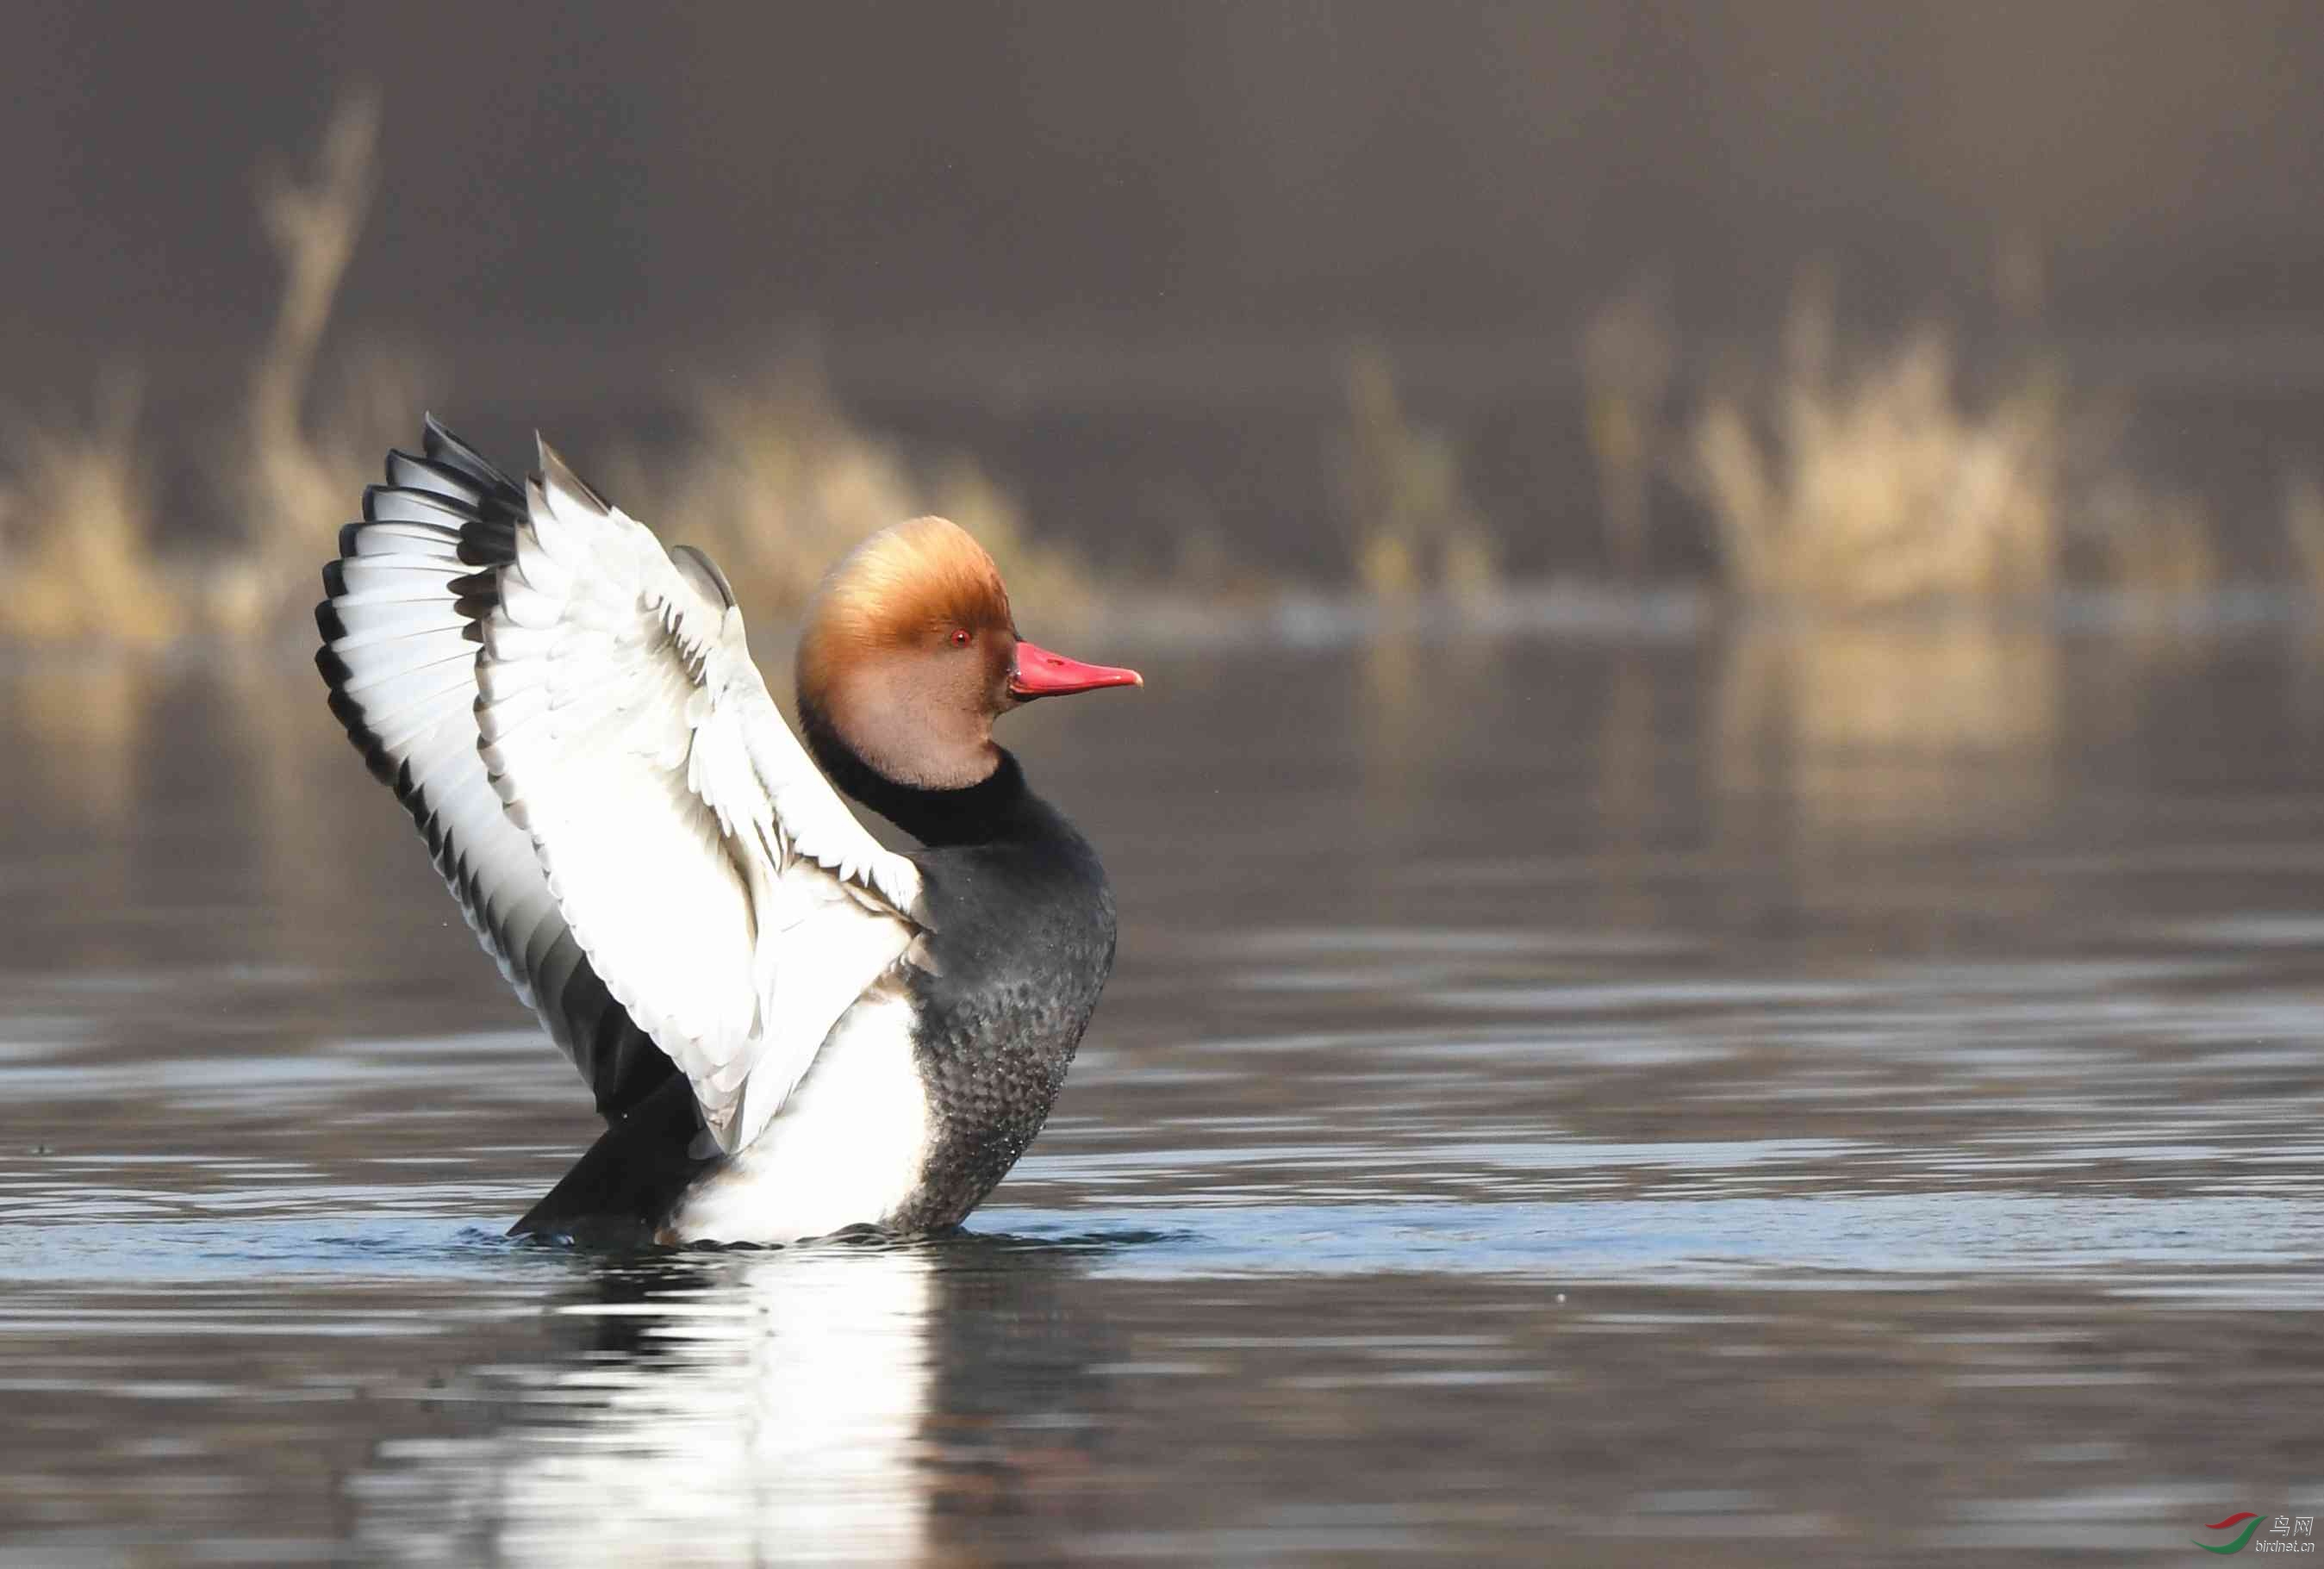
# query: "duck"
791,1030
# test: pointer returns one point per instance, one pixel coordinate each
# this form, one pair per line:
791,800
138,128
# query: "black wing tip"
441,446
488,543
717,580
395,775
476,595
335,669
554,467
444,456
350,716
453,507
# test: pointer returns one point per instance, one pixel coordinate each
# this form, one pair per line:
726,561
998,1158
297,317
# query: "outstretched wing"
729,900
400,646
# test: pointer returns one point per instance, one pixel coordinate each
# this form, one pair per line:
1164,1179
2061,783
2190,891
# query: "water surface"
1764,1094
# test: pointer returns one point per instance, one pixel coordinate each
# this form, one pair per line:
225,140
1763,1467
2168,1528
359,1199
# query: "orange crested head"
911,652
925,584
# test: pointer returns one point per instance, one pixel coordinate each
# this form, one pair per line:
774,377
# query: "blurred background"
1863,304
1717,865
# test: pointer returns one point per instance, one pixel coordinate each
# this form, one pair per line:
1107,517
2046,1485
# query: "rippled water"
1755,1094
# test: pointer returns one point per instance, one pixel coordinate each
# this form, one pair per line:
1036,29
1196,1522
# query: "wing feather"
399,655
732,903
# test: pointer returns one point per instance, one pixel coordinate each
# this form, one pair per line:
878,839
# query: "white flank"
846,1150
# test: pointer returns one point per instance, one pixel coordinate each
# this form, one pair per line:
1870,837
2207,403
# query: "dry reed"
775,483
77,542
2151,542
2303,528
772,477
1880,484
1628,355
309,458
1404,512
75,530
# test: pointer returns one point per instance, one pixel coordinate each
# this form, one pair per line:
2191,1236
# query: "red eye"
960,637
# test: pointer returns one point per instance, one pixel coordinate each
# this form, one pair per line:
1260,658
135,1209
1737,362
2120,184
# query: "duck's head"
910,653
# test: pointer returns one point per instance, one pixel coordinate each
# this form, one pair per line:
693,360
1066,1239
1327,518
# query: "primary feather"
573,717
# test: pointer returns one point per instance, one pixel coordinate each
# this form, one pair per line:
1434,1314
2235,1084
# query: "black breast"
1021,941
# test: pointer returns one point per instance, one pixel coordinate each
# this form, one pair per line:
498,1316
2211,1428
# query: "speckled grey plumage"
1023,943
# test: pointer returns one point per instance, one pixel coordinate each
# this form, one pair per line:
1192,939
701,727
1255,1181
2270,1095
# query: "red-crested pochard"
790,1030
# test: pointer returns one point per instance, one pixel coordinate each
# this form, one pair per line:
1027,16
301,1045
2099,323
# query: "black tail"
622,1191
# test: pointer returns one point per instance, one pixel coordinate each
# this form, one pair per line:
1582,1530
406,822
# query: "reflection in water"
826,1403
1416,704
302,799
1888,732
75,726
1626,793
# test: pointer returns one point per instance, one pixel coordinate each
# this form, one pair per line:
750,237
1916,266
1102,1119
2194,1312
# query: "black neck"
998,806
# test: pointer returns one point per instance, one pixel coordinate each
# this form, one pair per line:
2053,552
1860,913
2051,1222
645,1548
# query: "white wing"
400,654
719,886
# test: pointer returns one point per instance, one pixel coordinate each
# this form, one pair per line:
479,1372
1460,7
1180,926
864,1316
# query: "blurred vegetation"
1850,475
1629,353
774,481
2303,527
768,473
1874,479
78,513
1878,483
310,457
1404,513
75,530
2153,542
